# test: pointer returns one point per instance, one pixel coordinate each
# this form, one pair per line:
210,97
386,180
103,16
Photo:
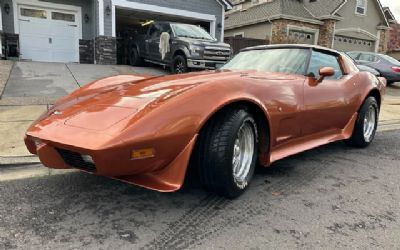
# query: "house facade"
344,25
87,31
394,35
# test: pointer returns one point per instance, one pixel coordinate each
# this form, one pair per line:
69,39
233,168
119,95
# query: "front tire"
227,153
366,124
179,65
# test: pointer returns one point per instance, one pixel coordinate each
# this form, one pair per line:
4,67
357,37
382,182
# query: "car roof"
293,46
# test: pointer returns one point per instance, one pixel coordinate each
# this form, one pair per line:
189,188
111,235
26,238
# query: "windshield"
191,31
291,61
391,60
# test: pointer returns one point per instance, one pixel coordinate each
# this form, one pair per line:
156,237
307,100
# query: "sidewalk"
14,121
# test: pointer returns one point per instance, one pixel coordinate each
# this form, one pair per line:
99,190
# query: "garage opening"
130,23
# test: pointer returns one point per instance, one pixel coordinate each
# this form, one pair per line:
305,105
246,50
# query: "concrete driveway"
37,82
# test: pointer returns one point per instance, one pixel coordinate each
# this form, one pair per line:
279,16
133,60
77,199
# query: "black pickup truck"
191,47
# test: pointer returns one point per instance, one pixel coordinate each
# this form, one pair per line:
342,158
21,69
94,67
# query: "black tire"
215,151
134,58
179,65
390,83
358,139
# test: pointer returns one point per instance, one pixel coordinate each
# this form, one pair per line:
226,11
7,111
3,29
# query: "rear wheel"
134,58
227,153
366,124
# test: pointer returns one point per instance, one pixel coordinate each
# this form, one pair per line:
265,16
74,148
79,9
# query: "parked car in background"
387,66
368,69
191,47
267,103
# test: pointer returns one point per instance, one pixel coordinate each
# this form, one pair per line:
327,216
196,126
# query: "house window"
361,7
240,34
63,16
33,13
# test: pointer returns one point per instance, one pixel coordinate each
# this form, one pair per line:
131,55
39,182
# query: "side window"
367,57
320,60
154,32
165,28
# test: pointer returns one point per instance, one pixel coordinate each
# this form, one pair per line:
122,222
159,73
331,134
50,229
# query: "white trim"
365,9
358,30
101,17
305,29
227,4
162,10
113,21
222,25
333,35
36,3
378,38
338,8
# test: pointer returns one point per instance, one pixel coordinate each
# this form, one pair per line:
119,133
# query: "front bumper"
152,173
204,64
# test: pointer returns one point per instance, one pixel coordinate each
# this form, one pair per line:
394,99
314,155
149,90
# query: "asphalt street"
333,197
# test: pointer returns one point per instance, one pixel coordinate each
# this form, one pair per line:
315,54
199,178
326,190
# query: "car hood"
110,110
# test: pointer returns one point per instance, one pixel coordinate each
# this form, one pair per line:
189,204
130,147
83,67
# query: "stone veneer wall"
86,51
279,30
383,41
105,49
326,33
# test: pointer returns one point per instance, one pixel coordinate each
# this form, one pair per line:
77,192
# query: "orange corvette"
267,103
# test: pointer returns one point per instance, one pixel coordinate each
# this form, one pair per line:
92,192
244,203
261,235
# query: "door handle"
24,20
50,40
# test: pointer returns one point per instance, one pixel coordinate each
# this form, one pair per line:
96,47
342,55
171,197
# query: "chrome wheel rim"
179,67
243,152
369,123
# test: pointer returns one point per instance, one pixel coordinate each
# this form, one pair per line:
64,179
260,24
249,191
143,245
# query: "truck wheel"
134,58
179,65
226,154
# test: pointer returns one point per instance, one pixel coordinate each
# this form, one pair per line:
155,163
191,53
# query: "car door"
327,104
153,43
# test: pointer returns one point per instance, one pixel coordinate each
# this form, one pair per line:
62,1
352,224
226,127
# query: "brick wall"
280,30
326,35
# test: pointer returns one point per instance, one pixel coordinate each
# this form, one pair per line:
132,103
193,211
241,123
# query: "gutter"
275,17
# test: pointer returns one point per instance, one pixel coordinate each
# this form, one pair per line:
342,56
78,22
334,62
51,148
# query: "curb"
18,160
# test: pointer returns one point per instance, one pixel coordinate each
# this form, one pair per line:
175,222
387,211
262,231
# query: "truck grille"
217,54
76,160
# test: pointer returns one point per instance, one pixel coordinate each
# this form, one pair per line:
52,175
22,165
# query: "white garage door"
48,35
345,43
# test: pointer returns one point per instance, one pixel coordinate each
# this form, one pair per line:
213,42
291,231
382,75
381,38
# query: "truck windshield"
292,61
191,31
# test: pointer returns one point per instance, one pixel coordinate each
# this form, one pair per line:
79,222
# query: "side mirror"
325,72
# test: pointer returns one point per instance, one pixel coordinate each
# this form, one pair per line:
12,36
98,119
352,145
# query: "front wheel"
227,153
179,65
366,124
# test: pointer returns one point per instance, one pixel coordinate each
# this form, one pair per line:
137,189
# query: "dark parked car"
368,69
387,66
191,47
